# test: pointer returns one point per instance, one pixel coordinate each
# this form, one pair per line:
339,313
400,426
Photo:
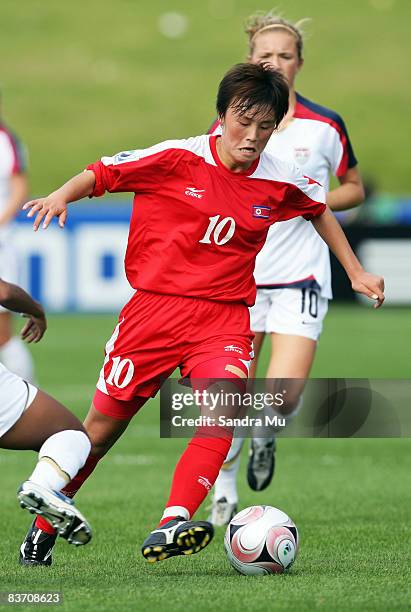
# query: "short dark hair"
253,86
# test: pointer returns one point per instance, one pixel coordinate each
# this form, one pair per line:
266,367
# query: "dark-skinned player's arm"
16,299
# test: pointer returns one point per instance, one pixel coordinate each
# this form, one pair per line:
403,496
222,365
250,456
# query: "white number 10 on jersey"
215,229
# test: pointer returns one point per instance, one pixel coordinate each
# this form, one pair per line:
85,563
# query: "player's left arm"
18,191
350,192
361,281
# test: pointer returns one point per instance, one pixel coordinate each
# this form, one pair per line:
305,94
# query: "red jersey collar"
213,148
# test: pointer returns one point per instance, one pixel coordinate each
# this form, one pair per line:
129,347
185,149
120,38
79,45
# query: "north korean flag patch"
261,211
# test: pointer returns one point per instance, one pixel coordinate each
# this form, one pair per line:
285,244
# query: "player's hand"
34,329
370,285
46,209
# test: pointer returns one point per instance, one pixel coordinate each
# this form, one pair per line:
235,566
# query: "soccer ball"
261,540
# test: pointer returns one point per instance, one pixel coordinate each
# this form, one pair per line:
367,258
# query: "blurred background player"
13,192
200,213
292,272
32,420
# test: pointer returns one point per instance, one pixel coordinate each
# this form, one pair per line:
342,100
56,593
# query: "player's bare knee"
103,432
99,450
291,406
101,441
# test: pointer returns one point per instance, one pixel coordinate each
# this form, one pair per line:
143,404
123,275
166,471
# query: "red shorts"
157,333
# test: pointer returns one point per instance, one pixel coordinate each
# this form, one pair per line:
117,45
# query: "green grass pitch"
349,498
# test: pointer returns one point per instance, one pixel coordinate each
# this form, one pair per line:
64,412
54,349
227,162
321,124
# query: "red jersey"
196,227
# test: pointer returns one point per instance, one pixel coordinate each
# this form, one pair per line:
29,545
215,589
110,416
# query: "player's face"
278,48
244,136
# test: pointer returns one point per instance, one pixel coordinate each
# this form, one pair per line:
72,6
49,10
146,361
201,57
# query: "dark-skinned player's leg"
47,426
103,431
44,417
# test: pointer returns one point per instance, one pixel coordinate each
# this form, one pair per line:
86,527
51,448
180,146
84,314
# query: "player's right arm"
55,204
128,171
16,299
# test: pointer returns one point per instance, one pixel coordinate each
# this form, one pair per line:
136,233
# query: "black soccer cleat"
37,547
261,464
177,537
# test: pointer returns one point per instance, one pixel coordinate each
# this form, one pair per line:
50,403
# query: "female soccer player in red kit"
201,213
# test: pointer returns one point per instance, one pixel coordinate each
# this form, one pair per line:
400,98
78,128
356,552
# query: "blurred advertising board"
81,268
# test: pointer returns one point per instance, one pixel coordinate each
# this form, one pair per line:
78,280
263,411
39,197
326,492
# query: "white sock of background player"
15,355
226,483
60,458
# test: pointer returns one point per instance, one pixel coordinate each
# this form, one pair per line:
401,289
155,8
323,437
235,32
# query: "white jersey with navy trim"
294,255
12,161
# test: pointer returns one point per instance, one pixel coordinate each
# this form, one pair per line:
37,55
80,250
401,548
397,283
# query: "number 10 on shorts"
122,372
309,299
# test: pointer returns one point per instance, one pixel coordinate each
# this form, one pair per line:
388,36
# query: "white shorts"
298,312
9,269
16,395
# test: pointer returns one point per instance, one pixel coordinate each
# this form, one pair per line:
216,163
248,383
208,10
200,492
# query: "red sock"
196,472
70,490
44,525
74,485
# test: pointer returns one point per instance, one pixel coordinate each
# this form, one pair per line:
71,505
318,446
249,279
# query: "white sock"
226,483
176,511
17,358
60,458
48,474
